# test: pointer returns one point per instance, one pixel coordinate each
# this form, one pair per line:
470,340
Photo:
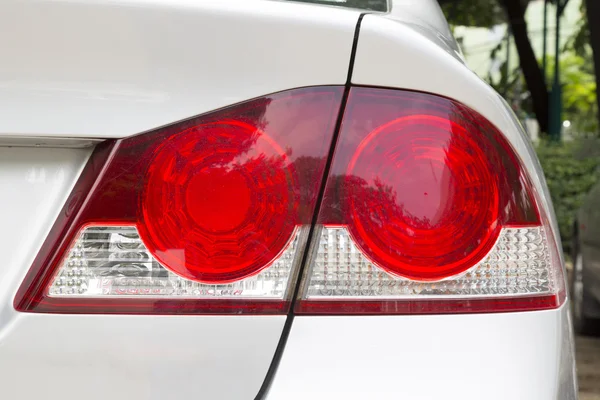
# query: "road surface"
588,367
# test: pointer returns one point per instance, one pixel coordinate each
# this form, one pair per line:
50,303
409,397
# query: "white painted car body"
123,67
96,69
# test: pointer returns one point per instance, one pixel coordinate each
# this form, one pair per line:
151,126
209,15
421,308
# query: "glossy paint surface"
111,69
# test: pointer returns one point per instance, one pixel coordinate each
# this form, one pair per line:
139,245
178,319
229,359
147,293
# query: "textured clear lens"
113,261
518,264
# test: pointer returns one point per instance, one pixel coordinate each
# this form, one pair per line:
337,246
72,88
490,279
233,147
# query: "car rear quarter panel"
466,357
488,356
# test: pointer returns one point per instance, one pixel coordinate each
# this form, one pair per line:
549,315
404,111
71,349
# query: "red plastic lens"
220,202
424,184
423,180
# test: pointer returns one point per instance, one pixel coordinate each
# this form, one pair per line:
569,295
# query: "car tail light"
209,215
427,209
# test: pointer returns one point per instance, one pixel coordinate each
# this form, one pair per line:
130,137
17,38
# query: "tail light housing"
421,206
427,209
209,215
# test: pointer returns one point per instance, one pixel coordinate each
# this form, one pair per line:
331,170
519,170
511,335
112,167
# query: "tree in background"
486,13
593,19
534,76
579,93
482,13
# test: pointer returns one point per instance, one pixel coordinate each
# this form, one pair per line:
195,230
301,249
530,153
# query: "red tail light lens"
200,217
425,199
423,179
220,202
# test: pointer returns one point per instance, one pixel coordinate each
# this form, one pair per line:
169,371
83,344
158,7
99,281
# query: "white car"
271,200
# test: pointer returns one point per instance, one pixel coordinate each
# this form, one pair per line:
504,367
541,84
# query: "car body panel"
425,16
432,357
138,357
111,69
467,357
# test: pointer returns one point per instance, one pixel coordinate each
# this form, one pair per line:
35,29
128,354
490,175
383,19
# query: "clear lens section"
518,264
113,261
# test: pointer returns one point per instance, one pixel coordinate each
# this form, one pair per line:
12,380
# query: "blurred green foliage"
580,39
482,13
571,169
578,91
